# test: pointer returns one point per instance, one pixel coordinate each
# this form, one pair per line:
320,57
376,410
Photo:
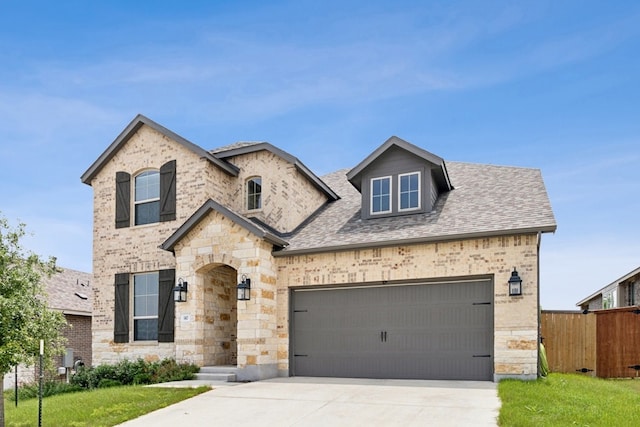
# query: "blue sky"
544,84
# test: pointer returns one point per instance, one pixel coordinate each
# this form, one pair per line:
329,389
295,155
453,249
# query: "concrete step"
216,377
217,373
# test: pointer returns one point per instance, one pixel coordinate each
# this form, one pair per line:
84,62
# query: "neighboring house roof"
203,211
610,285
131,129
247,147
70,291
486,200
440,172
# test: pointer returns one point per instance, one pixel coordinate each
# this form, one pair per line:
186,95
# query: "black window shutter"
123,199
168,191
166,312
121,326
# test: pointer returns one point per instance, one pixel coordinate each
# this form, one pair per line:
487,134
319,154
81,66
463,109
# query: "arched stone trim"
206,260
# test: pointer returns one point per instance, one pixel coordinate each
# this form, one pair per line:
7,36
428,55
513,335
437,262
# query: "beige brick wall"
515,318
135,249
288,198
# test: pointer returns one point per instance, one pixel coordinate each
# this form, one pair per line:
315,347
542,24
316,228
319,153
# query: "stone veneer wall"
515,318
288,198
135,249
215,242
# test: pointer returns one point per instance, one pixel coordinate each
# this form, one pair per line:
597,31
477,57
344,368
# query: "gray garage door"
427,331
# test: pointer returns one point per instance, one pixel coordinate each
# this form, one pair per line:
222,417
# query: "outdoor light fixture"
244,289
180,291
515,284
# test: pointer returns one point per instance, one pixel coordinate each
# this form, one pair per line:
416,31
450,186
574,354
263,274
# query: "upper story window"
254,193
409,191
154,196
147,198
381,195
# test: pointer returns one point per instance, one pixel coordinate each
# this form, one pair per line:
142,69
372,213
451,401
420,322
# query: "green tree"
24,316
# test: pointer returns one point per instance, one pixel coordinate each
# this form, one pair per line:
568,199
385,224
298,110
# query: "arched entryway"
219,315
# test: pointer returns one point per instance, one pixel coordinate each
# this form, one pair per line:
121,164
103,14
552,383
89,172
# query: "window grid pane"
145,330
409,191
147,186
381,195
147,213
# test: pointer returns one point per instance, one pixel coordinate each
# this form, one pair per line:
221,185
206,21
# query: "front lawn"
569,400
95,408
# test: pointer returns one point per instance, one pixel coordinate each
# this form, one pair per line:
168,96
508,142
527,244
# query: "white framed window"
147,197
381,195
409,191
145,306
254,193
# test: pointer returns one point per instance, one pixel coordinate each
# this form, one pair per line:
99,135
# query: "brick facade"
78,334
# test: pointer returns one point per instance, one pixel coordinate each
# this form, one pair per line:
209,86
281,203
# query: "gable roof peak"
212,206
240,148
138,121
440,168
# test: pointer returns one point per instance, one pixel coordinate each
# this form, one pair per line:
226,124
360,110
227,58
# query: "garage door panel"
435,331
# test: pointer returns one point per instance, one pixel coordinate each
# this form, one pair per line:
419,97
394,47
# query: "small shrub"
142,378
138,371
170,370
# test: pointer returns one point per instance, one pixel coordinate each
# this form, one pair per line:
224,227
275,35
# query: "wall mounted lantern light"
244,289
515,284
180,291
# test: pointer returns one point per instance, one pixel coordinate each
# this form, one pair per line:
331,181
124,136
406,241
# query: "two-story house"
403,267
623,292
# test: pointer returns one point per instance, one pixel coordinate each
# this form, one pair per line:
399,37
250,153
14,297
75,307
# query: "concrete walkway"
334,402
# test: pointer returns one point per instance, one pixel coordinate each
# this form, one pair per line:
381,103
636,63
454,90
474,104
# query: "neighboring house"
397,268
68,291
623,292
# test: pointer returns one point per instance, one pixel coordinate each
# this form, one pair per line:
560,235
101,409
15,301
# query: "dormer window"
409,191
254,193
399,178
147,197
380,195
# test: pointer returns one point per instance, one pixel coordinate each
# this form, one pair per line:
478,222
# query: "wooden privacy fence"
603,343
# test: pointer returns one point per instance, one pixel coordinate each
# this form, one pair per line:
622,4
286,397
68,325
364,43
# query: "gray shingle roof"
70,291
487,200
235,146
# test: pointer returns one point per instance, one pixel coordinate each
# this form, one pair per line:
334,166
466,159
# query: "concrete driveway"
304,401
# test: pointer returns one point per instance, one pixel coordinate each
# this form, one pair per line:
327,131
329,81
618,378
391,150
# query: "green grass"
569,400
95,408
